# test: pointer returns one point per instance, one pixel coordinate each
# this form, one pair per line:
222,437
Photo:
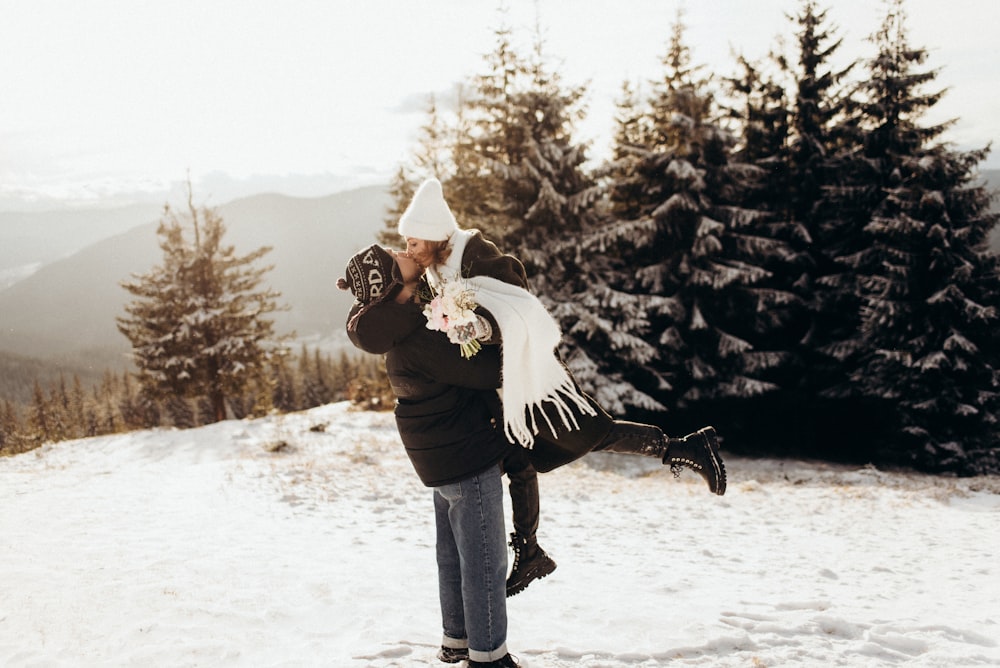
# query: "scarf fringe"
523,431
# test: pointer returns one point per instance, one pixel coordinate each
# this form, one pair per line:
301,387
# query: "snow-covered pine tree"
137,411
487,140
931,285
828,202
796,125
548,201
551,191
761,113
518,172
199,324
689,247
759,110
605,328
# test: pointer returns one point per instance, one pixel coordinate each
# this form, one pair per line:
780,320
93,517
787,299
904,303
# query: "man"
447,427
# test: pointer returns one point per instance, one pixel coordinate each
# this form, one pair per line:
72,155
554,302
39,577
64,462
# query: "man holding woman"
543,407
445,421
448,410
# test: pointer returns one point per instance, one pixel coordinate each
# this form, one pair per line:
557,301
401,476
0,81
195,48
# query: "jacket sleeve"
382,327
495,338
483,258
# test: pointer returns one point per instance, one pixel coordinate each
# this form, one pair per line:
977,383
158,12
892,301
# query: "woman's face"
408,267
421,250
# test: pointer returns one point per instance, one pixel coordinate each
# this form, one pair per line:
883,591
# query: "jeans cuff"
485,657
455,643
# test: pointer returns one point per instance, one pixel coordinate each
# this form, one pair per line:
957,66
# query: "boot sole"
536,573
713,450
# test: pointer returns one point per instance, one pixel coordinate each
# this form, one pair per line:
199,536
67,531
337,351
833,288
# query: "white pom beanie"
428,216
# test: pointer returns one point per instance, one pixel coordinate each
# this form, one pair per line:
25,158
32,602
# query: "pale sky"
104,97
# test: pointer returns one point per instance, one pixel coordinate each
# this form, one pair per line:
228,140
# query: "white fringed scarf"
532,374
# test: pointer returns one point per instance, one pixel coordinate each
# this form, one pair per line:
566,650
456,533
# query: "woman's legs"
523,490
530,561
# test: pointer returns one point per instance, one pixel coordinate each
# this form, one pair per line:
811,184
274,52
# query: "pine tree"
59,411
606,328
798,126
489,143
314,390
135,409
685,267
106,398
430,159
548,189
930,284
199,325
77,410
830,200
286,395
41,423
10,427
761,112
632,132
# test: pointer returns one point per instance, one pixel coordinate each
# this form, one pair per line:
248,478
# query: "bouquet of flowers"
452,310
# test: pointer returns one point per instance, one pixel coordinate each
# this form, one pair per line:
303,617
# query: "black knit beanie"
372,276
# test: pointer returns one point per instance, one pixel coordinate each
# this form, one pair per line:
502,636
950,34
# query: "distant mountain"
32,239
67,308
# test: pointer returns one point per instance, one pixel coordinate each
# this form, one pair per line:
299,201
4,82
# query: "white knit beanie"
428,216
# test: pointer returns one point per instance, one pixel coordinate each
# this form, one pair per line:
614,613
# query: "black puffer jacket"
443,401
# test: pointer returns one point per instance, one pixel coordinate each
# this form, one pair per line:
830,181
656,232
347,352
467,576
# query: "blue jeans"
472,564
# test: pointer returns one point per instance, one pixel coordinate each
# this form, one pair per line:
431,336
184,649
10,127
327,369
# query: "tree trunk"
218,400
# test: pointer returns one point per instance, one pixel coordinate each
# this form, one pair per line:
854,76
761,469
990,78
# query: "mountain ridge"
67,308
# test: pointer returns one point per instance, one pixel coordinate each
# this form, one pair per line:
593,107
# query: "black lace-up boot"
700,453
530,564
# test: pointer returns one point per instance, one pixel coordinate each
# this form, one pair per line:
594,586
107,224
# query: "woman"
446,424
563,429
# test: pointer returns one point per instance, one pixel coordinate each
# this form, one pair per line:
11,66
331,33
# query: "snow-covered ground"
306,540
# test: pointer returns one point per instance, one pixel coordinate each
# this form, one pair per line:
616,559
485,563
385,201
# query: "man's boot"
700,453
530,564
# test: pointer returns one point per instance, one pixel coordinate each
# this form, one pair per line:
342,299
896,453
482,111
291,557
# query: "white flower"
452,310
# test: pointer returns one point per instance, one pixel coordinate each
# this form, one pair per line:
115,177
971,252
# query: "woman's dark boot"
530,563
700,453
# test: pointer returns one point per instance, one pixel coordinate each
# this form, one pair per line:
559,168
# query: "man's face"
409,269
